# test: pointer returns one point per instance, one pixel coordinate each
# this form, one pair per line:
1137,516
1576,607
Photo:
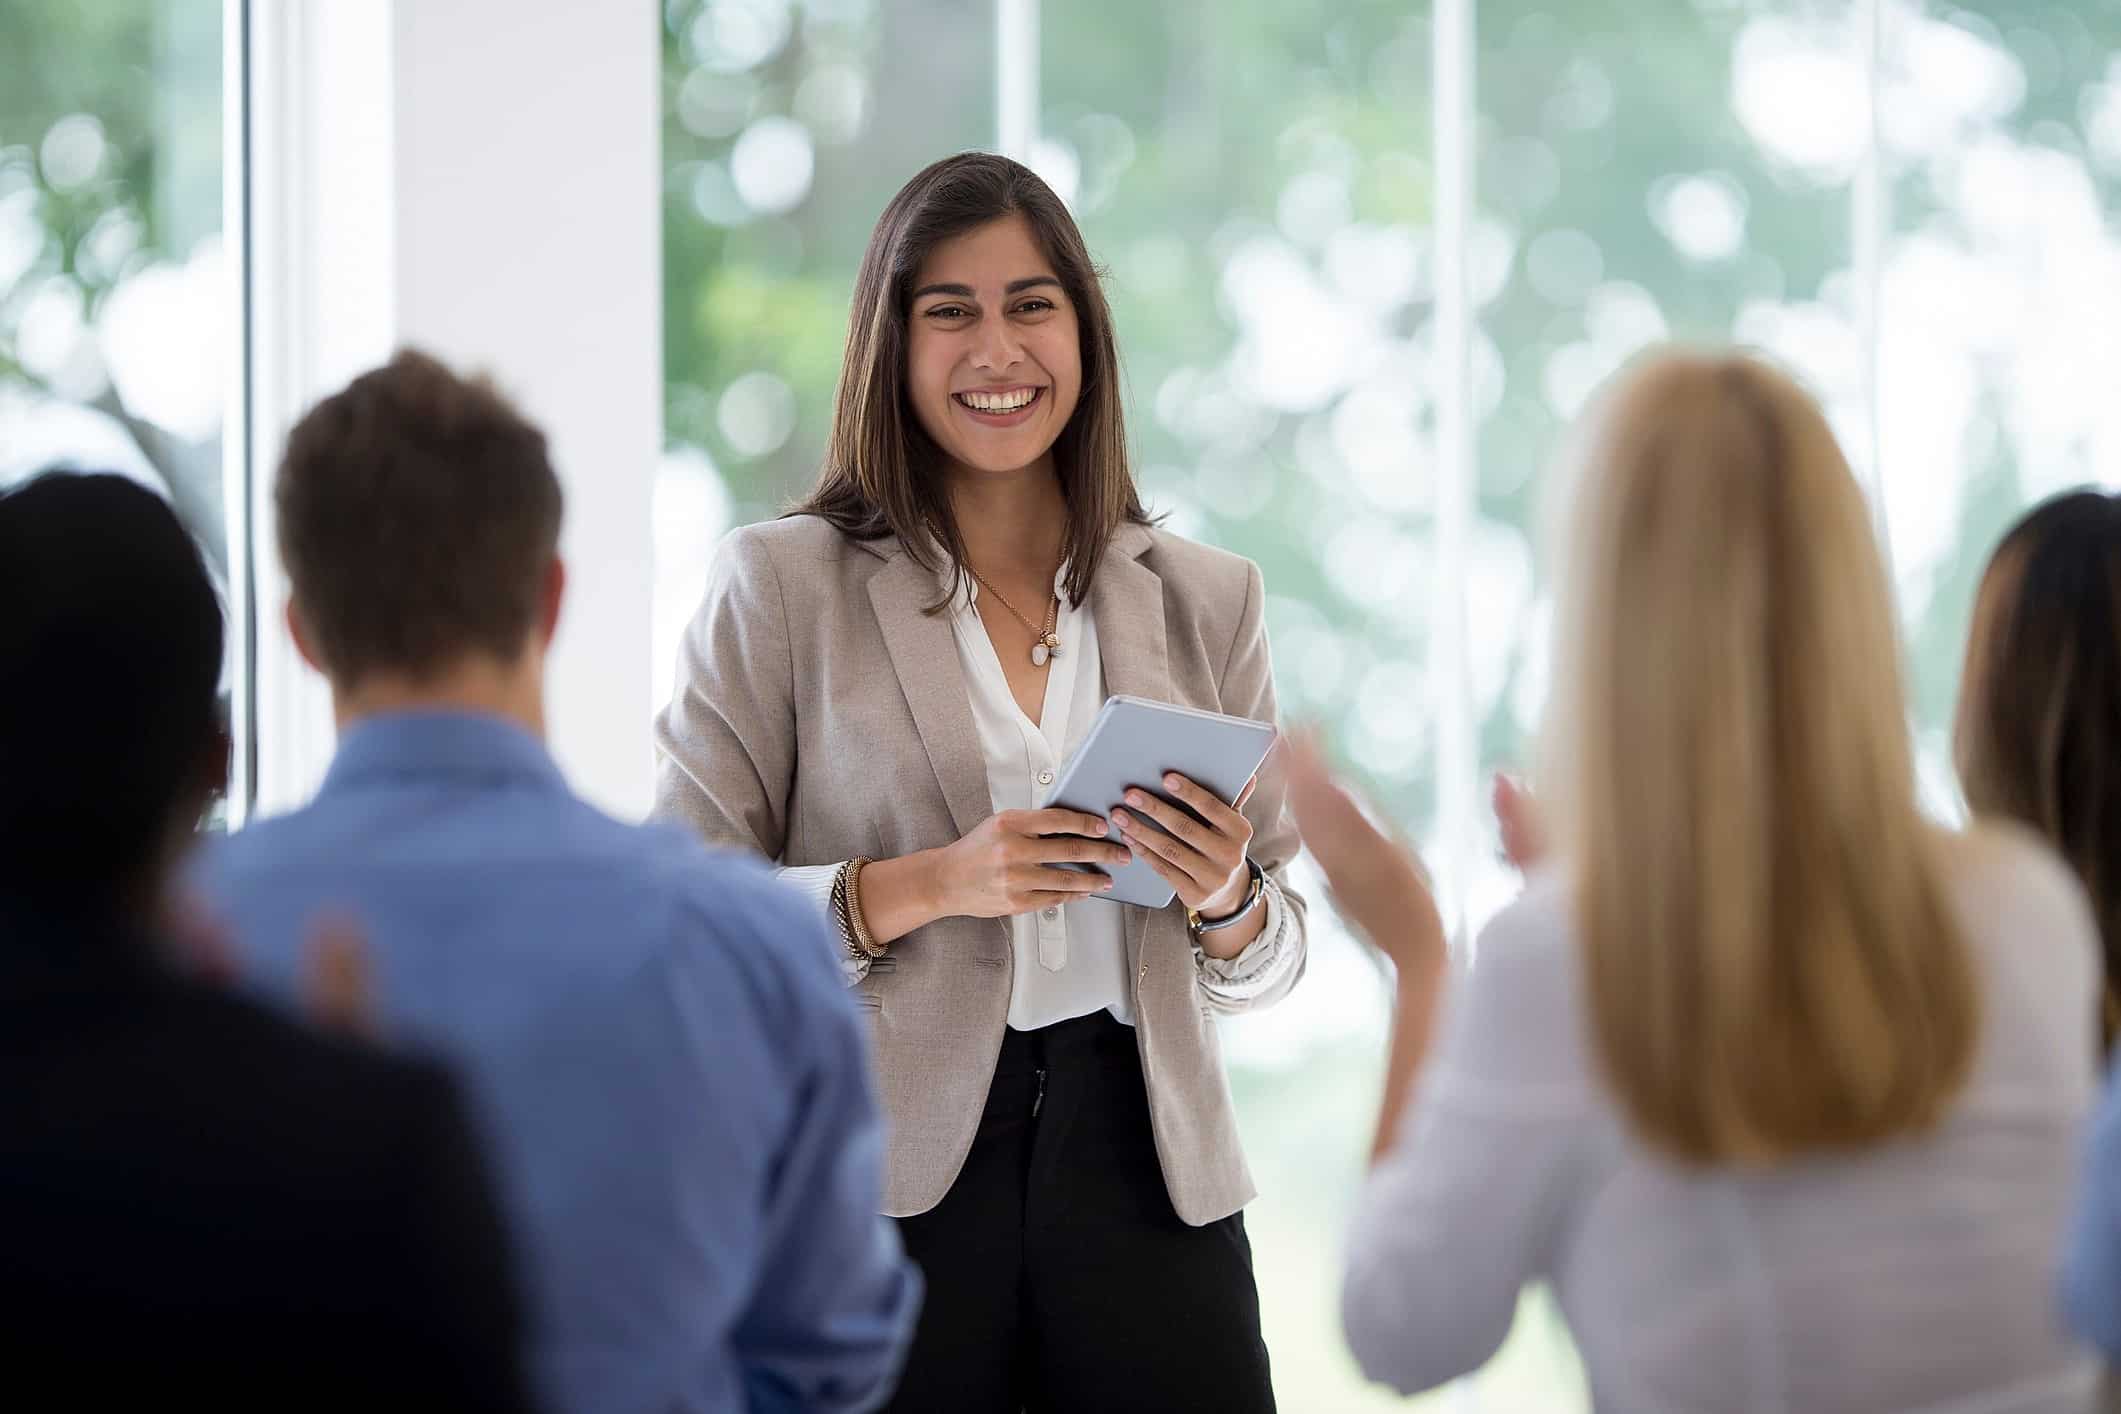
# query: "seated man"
199,1201
657,1038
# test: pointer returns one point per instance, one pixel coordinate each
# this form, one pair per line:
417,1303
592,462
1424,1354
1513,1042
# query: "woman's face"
994,364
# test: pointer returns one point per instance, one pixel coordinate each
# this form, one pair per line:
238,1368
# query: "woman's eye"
948,311
1034,306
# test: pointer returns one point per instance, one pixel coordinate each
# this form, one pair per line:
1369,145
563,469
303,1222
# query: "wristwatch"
1253,895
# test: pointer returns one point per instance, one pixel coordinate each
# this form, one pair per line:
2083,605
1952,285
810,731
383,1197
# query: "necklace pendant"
1038,654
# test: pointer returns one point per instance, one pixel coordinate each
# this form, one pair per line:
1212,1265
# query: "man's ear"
550,597
300,635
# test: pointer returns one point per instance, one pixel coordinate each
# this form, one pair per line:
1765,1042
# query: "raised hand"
1378,882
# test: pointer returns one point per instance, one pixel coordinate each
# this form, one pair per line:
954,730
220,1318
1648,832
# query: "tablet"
1133,743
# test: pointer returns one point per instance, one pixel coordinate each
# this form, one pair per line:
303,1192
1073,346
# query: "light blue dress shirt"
659,1045
2091,1267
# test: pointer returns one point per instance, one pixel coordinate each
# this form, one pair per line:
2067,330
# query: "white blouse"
1915,1276
1070,960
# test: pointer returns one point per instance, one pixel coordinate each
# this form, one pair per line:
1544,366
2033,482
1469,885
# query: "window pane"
116,315
2000,298
1640,180
786,127
1257,178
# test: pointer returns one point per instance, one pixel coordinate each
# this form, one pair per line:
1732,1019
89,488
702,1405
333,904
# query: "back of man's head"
419,519
110,661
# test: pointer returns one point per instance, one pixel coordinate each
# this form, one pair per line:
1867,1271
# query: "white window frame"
479,178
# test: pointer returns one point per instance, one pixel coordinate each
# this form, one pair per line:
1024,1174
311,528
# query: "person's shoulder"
1529,945
256,853
1187,562
796,540
2016,895
285,1073
730,904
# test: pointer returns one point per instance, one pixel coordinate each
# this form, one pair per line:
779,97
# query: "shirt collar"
458,744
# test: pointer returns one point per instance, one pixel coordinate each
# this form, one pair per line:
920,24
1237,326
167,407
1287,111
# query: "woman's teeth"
998,402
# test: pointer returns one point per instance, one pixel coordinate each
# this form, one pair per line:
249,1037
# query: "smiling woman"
878,694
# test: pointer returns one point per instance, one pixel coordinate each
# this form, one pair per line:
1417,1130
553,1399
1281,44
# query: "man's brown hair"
418,517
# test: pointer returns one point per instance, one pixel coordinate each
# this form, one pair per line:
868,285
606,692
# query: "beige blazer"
821,715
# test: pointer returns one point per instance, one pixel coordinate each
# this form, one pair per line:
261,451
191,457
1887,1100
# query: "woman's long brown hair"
882,472
2037,737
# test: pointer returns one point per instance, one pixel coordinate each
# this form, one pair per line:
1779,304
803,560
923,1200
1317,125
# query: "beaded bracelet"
847,911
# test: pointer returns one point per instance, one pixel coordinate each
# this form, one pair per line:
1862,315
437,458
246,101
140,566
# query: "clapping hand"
337,988
1377,881
1524,831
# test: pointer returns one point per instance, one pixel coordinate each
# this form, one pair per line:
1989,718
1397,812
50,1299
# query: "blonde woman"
1764,1075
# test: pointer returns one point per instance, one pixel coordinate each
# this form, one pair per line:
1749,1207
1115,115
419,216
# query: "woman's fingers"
1058,821
1332,823
1181,863
1222,818
1074,849
339,989
1046,878
1171,874
1173,820
1517,815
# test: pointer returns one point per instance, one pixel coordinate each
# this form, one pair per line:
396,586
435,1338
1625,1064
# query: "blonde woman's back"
1916,1275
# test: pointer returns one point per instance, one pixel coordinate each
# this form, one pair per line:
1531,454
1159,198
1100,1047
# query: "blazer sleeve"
725,744
1270,968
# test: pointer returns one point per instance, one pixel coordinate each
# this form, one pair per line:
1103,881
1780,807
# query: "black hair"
110,663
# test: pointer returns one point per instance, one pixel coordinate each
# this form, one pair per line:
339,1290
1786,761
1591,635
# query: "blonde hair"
1771,965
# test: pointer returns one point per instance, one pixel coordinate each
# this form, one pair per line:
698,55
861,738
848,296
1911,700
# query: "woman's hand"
1005,866
1379,885
1205,863
1378,882
1524,831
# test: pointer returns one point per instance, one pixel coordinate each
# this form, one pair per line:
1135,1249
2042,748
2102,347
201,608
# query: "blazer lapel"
924,655
1127,599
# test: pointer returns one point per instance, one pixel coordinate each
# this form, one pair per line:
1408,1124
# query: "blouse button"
1045,778
1050,914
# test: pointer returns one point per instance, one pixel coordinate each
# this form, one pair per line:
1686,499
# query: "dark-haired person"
2037,740
2037,736
198,1199
876,693
657,1038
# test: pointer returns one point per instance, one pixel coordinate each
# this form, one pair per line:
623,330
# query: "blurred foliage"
148,73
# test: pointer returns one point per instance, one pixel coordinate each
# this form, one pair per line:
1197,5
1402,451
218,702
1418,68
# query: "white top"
1070,960
1918,1276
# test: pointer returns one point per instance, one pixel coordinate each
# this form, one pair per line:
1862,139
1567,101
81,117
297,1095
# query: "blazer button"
1145,972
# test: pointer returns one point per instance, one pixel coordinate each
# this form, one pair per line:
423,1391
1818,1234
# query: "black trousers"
1059,1278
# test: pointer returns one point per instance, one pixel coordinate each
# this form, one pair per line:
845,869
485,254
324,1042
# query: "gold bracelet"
858,925
839,914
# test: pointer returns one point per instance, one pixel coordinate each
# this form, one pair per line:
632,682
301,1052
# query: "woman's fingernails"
1172,781
1119,818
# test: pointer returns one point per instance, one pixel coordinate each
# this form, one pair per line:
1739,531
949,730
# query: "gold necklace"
1047,643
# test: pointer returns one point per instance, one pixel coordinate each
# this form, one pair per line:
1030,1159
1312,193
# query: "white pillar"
1458,828
1016,77
480,179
